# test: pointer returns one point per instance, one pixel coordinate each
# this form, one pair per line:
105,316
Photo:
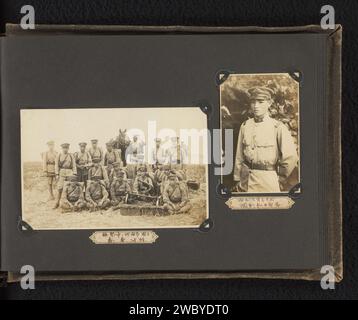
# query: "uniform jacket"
267,144
176,193
83,159
65,164
142,184
111,157
72,192
97,154
119,188
48,162
98,171
96,192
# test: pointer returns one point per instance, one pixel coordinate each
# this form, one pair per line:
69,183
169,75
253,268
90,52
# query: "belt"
260,166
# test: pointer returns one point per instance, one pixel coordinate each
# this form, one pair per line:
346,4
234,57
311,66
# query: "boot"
57,204
51,197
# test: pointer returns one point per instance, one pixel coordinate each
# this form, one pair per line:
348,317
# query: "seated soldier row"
103,191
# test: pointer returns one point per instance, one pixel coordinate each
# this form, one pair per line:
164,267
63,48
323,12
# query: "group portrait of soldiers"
96,179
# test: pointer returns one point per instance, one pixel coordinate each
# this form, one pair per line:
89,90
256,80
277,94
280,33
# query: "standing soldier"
177,153
135,151
48,161
266,154
111,156
97,195
96,152
83,162
158,154
175,195
120,188
72,198
65,166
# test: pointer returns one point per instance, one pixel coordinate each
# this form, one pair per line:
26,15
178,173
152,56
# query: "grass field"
38,212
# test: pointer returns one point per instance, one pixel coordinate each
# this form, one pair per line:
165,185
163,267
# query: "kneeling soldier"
97,195
111,156
143,184
117,171
119,189
72,198
175,195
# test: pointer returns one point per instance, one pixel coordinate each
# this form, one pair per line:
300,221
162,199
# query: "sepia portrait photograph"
118,168
262,110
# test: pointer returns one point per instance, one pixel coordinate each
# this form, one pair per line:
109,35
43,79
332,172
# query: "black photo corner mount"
23,226
204,106
296,75
3,279
221,76
206,226
293,194
223,191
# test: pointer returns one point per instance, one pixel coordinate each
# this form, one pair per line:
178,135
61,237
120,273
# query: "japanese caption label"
124,237
259,203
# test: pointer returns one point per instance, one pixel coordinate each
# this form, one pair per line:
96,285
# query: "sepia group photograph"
114,168
262,110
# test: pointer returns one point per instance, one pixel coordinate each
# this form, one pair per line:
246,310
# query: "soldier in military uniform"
157,177
158,154
116,171
143,184
83,162
96,152
120,188
48,165
97,195
175,195
65,166
72,198
98,171
266,153
176,154
111,156
135,151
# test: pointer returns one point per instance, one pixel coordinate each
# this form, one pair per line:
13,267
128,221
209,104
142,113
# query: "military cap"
121,173
172,174
166,167
65,145
260,93
94,140
82,144
50,143
109,144
142,168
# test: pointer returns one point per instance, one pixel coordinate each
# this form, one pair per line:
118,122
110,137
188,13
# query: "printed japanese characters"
263,112
113,168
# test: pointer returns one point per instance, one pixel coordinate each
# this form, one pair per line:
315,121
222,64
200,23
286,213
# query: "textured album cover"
160,152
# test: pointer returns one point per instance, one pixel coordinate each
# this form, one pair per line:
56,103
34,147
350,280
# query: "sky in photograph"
81,125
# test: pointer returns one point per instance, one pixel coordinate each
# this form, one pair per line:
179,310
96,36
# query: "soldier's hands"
236,187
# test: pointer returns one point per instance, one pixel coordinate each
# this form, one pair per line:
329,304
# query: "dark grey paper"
165,70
